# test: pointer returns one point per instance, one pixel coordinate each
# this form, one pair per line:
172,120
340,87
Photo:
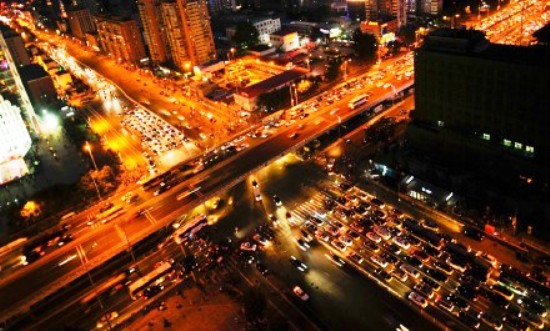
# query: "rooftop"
272,83
31,72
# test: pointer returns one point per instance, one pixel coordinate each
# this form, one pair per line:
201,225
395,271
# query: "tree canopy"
246,34
365,45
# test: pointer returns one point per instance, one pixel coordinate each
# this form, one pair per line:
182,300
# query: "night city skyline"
274,165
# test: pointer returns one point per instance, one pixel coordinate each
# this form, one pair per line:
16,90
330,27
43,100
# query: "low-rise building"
264,25
285,40
39,85
247,98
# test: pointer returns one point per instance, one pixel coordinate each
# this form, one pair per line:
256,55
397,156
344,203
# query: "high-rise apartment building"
155,30
217,7
357,10
16,47
178,30
11,81
80,21
176,36
120,37
198,32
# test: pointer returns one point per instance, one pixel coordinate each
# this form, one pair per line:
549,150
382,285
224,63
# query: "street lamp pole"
88,148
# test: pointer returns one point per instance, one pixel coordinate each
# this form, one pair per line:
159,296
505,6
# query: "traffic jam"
414,260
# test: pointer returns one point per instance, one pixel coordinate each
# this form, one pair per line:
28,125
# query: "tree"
333,70
105,178
246,34
254,302
365,45
275,100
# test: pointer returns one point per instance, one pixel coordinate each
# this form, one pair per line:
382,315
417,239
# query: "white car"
379,260
300,293
337,244
374,237
489,258
383,232
418,299
346,240
401,242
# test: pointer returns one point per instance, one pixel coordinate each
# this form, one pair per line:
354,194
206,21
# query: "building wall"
155,30
81,22
41,91
501,103
176,36
196,26
286,42
15,140
120,38
17,50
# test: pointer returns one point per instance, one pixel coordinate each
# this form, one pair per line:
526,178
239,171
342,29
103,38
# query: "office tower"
80,21
217,7
175,35
482,103
155,30
120,37
431,7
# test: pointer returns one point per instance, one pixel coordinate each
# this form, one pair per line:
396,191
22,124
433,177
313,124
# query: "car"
430,282
393,248
355,257
473,233
297,290
277,201
400,274
337,225
262,240
247,246
414,261
435,253
497,299
261,268
383,274
293,135
458,302
255,184
426,290
323,235
489,258
533,319
491,321
443,267
106,319
469,320
383,232
418,299
298,264
410,270
273,220
153,290
302,244
374,237
311,228
372,246
456,264
337,244
346,240
401,242
378,203
430,225
354,235
421,255
316,221
332,230
306,236
290,219
379,260
467,292
335,259
437,275
445,304
503,291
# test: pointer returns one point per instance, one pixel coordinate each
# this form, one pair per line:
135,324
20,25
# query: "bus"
109,214
189,229
39,246
358,101
155,276
100,290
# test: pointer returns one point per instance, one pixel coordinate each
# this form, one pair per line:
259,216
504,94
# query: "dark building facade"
470,93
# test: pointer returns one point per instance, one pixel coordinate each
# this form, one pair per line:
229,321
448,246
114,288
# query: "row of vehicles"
439,270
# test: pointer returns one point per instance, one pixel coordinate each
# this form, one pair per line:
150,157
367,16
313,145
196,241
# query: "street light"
346,69
453,20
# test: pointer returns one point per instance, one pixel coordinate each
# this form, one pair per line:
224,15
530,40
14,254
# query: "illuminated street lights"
231,54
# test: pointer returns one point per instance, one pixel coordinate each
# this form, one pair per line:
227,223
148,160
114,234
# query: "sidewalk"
194,311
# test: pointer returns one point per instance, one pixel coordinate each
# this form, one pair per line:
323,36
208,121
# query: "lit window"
507,142
440,124
530,149
486,136
518,146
